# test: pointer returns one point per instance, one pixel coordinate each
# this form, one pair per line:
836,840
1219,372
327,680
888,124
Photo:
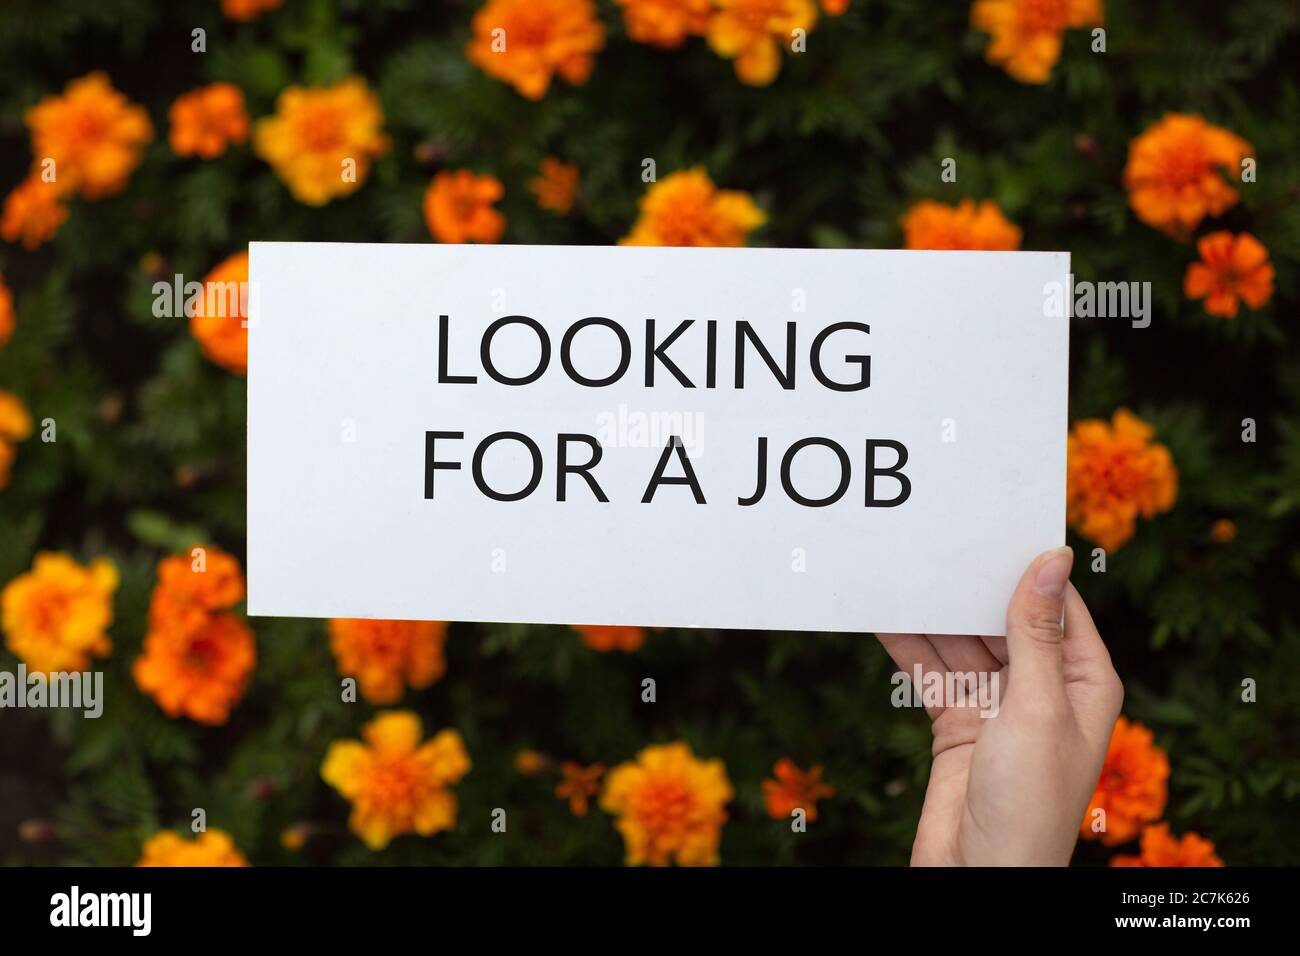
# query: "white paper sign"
579,439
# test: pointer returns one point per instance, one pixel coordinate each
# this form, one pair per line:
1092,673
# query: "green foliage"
149,454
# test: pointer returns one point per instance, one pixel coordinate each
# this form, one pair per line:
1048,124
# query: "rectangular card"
787,439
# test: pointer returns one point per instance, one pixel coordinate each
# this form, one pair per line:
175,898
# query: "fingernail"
1054,572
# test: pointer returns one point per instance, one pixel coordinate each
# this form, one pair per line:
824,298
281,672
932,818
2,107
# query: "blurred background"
180,131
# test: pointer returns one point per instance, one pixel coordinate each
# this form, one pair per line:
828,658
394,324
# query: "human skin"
1012,789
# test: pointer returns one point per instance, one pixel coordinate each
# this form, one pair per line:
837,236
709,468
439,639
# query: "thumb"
1035,622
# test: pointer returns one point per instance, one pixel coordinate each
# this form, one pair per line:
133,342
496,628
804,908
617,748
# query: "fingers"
1083,641
1090,677
997,647
941,654
910,651
1035,625
964,653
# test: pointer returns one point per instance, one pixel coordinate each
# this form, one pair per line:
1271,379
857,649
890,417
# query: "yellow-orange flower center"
320,128
1044,16
664,804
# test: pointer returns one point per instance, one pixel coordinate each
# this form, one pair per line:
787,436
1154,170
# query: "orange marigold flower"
198,657
936,225
33,212
529,763
56,616
458,207
191,587
556,185
199,672
1133,786
209,848
752,32
1115,472
1026,34
1223,531
1232,269
6,312
611,637
245,10
1161,848
665,23
1175,174
321,141
834,8
526,42
15,422
294,838
686,209
218,322
207,120
670,806
93,133
388,656
793,789
579,785
15,426
396,784
7,455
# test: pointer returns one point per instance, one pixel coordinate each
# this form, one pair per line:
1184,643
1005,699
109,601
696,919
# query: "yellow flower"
752,33
396,784
321,141
93,134
670,806
1027,34
210,848
686,209
526,42
665,23
33,212
56,616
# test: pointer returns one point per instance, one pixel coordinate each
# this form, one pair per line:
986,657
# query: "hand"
1011,789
